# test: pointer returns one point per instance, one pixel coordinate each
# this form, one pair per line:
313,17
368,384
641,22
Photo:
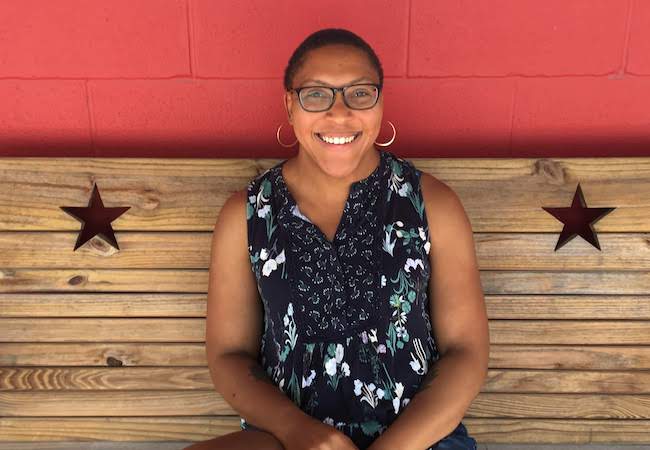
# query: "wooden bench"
101,344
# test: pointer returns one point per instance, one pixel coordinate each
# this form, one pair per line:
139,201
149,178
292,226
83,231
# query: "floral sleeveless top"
347,334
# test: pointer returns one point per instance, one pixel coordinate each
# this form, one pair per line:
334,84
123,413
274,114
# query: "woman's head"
336,58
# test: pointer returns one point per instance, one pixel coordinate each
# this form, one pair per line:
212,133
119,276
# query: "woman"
319,330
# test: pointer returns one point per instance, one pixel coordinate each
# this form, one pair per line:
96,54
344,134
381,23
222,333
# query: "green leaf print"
370,427
294,390
418,205
392,337
402,281
283,356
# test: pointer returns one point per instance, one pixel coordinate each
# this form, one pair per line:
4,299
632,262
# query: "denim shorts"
458,439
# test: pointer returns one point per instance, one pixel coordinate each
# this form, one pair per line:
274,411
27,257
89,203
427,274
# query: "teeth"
337,140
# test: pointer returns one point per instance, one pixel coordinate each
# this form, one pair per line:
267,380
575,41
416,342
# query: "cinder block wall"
203,78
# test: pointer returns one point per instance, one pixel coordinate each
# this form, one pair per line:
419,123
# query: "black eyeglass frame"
334,91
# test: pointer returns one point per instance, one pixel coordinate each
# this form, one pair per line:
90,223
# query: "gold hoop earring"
278,137
386,144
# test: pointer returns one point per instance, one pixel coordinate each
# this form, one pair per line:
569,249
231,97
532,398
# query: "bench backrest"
108,344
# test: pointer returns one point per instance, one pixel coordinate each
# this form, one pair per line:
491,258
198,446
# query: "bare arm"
460,324
234,324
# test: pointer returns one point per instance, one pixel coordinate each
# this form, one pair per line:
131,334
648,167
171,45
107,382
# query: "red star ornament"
96,219
578,220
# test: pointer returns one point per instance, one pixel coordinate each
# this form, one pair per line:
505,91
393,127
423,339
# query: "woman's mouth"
338,141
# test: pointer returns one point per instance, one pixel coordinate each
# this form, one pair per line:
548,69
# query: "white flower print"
269,266
272,263
291,328
405,189
260,197
380,393
381,348
264,253
399,390
427,246
330,367
373,335
346,369
395,182
412,263
335,353
328,421
388,244
263,211
309,379
339,353
421,233
383,280
419,364
368,390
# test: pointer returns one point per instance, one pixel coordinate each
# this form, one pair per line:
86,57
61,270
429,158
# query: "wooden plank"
105,330
141,304
565,282
173,354
557,431
191,250
35,433
187,378
499,194
586,357
104,379
209,402
164,194
191,402
108,445
566,332
106,354
87,304
127,429
196,281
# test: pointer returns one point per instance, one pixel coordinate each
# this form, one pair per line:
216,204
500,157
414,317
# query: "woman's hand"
312,434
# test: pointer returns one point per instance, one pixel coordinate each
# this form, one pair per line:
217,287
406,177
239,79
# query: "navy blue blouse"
347,334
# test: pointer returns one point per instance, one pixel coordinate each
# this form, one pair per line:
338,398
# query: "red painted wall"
203,78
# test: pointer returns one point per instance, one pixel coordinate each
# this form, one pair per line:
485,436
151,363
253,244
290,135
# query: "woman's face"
336,66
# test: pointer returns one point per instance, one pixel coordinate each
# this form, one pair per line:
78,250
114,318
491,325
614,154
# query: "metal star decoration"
96,219
578,220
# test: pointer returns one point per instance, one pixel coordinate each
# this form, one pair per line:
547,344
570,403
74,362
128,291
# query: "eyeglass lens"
318,98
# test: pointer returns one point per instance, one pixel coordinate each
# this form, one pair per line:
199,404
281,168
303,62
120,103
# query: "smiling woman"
319,325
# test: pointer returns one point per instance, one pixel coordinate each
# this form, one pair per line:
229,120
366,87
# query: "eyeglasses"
321,98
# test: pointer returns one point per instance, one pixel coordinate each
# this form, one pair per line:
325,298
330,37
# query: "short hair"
321,38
